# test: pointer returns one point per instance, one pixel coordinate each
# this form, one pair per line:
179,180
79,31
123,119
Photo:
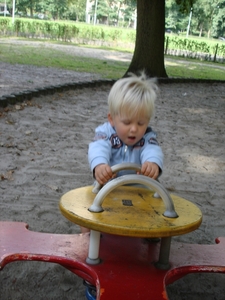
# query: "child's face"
129,129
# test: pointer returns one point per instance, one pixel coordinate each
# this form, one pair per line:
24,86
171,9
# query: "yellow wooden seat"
130,211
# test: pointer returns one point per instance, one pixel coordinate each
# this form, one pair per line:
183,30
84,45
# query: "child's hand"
150,169
103,173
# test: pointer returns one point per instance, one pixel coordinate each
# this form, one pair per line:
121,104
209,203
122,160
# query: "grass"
22,54
189,68
44,56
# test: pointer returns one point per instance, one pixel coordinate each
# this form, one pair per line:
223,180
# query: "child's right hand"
103,173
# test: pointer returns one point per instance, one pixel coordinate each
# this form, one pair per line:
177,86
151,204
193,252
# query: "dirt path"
15,78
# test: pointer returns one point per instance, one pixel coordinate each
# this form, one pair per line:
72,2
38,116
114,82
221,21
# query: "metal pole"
5,9
95,14
13,10
163,262
86,12
94,244
189,23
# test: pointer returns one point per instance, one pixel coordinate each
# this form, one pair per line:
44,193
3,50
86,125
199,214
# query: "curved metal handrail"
115,169
134,179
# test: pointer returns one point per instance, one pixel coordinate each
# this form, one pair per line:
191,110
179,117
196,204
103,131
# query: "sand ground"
43,154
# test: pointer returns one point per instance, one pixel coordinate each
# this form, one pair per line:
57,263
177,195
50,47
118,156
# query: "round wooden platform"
130,211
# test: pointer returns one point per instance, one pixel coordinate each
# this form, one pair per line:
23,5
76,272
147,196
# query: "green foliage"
218,22
109,13
5,26
196,48
208,16
115,34
40,29
91,33
131,35
65,31
85,33
185,5
188,44
221,50
174,19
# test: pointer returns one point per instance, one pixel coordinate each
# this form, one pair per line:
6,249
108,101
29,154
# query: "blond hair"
133,95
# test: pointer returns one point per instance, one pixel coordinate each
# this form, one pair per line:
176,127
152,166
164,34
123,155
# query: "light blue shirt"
107,148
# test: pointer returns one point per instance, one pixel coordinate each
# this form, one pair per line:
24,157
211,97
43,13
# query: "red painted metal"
127,268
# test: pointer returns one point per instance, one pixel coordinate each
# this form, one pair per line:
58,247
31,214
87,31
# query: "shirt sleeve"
151,151
99,151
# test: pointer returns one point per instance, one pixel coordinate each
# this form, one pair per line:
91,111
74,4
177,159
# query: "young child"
126,136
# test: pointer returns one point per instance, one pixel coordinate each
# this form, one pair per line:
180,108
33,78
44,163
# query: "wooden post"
214,59
167,43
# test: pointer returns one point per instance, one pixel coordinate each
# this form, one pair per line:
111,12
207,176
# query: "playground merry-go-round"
110,258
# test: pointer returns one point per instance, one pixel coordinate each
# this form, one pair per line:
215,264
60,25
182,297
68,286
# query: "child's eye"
126,122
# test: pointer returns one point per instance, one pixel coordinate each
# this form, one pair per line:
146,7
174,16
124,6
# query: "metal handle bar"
134,179
115,169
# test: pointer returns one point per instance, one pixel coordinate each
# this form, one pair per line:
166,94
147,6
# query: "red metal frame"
127,267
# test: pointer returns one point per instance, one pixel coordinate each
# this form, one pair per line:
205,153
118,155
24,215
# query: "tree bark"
150,33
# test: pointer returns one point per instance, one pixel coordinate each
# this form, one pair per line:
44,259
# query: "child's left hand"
150,169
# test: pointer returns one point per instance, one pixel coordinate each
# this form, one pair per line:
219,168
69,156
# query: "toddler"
127,137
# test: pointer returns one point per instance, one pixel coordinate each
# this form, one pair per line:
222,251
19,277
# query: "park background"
193,29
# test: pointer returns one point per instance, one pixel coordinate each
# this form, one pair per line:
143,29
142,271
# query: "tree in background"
56,8
103,11
25,7
175,20
76,11
208,16
149,46
185,6
201,19
218,22
112,12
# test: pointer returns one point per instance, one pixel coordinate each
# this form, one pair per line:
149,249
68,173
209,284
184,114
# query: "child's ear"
110,119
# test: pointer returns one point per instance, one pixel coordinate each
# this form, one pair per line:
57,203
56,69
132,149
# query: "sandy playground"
43,153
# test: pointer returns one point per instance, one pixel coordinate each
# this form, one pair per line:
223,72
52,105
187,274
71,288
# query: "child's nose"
133,128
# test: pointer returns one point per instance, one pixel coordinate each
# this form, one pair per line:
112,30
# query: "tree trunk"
150,33
200,30
31,9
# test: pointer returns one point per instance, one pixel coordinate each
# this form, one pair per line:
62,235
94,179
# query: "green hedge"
194,47
65,31
87,33
32,28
